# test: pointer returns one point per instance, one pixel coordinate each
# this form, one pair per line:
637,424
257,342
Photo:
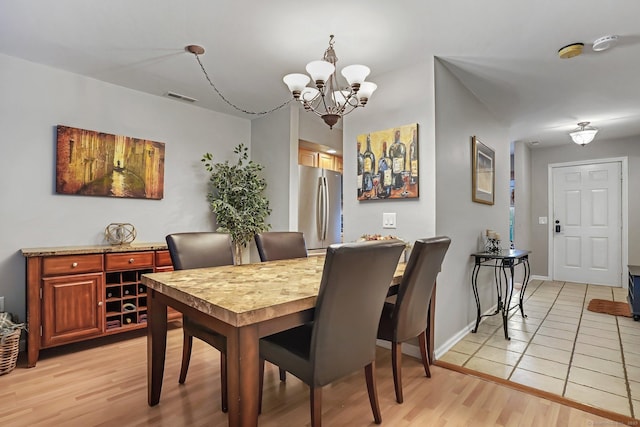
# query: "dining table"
243,303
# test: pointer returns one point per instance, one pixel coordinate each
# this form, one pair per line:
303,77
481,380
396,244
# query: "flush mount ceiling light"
327,99
584,134
604,43
570,50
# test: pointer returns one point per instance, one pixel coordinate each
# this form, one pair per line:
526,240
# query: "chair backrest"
355,281
414,294
275,245
199,249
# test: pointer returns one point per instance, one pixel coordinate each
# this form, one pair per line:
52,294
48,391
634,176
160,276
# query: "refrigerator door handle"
320,208
325,212
322,211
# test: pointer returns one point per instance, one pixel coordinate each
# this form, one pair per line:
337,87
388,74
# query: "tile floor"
561,347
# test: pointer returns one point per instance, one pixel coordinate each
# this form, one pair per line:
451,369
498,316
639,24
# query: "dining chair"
408,316
341,338
275,245
198,250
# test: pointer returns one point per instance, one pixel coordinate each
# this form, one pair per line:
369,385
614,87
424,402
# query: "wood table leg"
156,346
243,376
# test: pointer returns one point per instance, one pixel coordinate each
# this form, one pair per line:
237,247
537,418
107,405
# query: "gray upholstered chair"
198,250
275,245
341,338
407,317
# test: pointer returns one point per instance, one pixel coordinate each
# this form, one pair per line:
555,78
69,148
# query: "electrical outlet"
1,304
389,220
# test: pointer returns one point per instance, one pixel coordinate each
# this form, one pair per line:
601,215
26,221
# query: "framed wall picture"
388,164
91,163
483,177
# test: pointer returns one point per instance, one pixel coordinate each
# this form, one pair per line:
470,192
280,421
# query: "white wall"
523,221
34,100
313,129
459,116
394,104
275,146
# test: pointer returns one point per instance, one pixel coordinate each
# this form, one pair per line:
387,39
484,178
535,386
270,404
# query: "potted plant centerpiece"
236,197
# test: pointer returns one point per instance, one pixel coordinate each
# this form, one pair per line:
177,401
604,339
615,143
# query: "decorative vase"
238,252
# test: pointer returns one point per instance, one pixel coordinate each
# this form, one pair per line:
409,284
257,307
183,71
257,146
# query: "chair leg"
315,400
187,342
283,375
369,373
223,381
396,365
428,331
260,384
422,339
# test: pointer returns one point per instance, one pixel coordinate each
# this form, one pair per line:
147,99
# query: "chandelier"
584,134
327,99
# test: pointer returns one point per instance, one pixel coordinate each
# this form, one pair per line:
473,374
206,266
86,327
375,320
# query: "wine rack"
126,299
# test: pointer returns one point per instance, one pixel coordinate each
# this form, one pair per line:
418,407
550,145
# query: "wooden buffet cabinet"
82,292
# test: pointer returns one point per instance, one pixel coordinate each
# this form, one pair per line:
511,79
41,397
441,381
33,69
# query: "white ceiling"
505,51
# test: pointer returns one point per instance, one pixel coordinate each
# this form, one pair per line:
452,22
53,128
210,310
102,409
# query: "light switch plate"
542,220
389,220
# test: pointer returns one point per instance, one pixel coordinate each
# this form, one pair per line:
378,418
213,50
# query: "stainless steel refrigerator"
320,206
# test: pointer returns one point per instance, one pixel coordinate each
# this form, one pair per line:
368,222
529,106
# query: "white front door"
587,223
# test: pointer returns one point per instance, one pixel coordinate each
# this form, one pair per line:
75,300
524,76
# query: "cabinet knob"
99,303
131,260
74,265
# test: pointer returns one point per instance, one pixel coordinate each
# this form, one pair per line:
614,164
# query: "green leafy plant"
236,197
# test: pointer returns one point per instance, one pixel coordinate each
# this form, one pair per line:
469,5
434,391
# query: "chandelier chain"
206,75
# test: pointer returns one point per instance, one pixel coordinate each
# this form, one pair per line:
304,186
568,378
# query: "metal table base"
502,262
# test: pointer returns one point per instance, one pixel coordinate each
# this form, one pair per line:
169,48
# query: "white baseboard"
536,277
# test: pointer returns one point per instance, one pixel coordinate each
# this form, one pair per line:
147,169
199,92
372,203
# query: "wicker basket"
9,348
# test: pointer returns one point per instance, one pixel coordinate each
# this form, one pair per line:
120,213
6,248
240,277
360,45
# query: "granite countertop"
250,293
91,249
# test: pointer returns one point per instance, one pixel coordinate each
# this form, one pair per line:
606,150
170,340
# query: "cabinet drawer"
163,259
71,264
129,261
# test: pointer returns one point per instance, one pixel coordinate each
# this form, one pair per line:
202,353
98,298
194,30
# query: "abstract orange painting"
92,163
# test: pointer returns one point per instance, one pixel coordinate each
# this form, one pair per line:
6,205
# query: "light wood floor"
103,383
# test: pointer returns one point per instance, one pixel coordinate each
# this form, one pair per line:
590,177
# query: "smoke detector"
570,50
604,43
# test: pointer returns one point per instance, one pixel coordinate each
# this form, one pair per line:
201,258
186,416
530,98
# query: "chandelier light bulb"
320,71
365,92
296,82
355,74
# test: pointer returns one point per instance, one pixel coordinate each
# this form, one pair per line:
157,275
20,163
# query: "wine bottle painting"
388,164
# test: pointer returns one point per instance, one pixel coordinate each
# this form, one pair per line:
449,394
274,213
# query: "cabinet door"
307,158
338,161
326,161
72,308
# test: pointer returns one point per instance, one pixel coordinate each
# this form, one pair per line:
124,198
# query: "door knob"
557,226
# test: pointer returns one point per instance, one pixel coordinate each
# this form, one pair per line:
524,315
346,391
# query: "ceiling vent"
180,97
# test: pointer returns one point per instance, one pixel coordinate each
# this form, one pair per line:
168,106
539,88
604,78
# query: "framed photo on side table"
483,177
